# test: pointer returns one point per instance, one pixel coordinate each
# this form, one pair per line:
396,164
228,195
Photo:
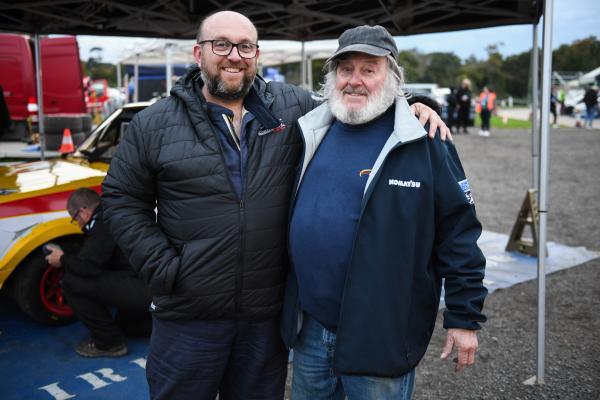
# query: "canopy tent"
291,20
305,20
272,52
169,52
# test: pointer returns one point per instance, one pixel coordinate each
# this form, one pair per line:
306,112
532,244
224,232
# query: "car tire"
35,287
53,141
86,124
56,124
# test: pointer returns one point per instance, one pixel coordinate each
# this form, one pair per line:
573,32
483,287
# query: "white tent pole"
302,66
136,78
119,78
543,212
309,74
535,106
128,100
39,94
169,66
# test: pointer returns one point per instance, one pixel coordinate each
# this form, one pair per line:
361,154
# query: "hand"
425,115
54,257
465,341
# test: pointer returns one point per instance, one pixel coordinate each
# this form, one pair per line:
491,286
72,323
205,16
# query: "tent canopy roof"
291,19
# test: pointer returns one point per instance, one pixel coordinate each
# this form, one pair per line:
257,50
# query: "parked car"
33,198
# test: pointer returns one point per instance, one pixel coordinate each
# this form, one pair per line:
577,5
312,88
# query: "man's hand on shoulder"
426,114
465,341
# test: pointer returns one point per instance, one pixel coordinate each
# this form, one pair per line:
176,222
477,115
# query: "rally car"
33,199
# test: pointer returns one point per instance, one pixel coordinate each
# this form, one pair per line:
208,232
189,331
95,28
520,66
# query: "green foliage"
517,74
442,68
413,64
581,55
97,70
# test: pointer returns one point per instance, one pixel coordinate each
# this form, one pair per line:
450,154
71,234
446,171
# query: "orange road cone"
66,146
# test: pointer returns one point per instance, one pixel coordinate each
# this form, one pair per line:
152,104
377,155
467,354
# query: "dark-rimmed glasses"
224,47
75,214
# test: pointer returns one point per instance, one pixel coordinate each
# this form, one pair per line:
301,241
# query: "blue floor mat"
39,362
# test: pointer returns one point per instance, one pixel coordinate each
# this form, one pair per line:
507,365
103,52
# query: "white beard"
377,103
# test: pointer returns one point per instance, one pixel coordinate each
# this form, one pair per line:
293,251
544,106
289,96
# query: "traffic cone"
66,146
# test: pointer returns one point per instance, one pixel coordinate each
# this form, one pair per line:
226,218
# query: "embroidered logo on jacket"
410,184
277,129
466,188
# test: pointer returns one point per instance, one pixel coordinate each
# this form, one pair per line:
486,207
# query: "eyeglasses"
224,47
74,217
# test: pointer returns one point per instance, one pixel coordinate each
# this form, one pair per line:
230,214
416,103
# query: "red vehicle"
64,103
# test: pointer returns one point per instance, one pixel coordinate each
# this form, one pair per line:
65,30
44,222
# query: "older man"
217,161
380,217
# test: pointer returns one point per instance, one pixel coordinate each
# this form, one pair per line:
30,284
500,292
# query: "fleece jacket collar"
315,125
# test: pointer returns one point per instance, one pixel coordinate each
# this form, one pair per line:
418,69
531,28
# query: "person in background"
97,279
553,105
561,96
590,99
464,105
452,109
485,107
216,160
380,217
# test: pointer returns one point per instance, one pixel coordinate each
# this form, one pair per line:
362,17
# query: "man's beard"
377,103
218,87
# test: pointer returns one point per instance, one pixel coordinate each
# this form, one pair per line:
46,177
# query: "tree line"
507,76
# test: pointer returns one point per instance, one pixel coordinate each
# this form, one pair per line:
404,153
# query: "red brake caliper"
51,293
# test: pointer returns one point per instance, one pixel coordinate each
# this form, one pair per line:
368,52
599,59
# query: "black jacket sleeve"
459,260
129,201
94,256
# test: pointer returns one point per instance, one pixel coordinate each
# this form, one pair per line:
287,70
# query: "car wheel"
58,123
36,290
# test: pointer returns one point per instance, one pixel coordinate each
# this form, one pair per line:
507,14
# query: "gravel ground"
499,170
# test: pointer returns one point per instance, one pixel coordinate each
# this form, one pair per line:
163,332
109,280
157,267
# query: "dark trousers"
93,298
463,117
485,119
195,360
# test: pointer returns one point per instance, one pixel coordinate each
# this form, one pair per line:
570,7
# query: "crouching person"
97,279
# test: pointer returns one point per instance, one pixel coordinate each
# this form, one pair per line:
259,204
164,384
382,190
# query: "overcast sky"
573,19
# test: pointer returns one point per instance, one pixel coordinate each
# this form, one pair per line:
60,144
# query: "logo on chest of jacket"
407,184
277,129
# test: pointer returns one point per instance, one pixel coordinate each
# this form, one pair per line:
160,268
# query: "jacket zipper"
239,269
366,197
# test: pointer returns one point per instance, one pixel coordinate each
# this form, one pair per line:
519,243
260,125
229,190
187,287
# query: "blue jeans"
314,378
590,115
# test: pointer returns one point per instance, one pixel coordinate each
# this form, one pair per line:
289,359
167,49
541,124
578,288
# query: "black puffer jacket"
206,253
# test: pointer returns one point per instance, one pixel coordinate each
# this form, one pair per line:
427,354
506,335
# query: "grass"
498,123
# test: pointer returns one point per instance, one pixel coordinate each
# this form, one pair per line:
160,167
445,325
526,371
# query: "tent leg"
136,78
535,105
39,94
544,148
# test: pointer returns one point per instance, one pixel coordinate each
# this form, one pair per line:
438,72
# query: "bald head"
230,19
